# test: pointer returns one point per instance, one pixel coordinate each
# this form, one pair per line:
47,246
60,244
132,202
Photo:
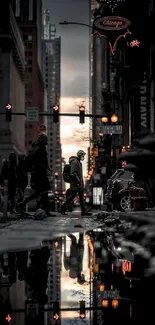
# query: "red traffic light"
8,318
81,108
55,113
56,107
82,309
82,114
82,316
8,112
56,317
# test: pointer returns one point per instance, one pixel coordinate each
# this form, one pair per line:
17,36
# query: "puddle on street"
71,280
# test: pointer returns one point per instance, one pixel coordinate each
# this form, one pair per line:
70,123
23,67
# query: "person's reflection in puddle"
74,262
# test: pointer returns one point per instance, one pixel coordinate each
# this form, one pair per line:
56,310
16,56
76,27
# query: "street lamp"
114,118
104,119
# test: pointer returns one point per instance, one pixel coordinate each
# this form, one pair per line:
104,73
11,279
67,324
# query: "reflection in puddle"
47,286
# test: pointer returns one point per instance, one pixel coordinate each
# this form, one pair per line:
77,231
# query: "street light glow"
114,118
104,119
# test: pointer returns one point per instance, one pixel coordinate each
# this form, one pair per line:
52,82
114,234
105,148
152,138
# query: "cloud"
76,86
74,67
70,104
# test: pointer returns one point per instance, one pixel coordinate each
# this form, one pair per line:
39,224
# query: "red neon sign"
113,47
126,266
134,43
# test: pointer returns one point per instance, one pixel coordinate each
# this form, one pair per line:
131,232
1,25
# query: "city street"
28,233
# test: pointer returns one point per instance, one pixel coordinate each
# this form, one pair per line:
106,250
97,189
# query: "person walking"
39,179
76,183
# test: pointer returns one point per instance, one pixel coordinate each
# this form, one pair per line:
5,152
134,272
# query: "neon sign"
113,23
134,43
113,47
126,266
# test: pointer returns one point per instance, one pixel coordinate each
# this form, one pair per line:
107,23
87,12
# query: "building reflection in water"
30,281
74,268
76,282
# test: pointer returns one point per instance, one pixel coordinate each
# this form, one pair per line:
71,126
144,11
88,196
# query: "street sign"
32,114
32,308
110,129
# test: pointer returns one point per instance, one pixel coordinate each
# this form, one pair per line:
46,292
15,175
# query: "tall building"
51,49
12,87
29,17
54,277
49,29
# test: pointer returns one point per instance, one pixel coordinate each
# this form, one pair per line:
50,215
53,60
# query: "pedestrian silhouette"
74,262
38,163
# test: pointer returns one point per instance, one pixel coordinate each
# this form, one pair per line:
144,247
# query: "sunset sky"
74,69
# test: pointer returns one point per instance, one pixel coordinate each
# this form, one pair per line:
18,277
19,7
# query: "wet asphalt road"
28,233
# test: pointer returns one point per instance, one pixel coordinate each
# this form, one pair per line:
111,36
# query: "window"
30,46
30,126
29,37
30,53
30,142
29,69
29,61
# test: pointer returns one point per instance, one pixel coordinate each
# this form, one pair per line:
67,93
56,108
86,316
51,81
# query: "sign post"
32,114
110,129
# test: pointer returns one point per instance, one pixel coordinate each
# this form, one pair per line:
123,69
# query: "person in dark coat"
39,180
74,262
76,184
22,177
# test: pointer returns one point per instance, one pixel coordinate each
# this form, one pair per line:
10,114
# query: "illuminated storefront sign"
135,43
126,267
112,23
109,28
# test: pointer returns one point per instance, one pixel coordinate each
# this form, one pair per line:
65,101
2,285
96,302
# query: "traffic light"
5,313
8,112
82,114
82,309
8,318
55,113
56,313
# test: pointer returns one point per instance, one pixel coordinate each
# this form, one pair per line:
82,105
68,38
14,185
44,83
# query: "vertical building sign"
144,105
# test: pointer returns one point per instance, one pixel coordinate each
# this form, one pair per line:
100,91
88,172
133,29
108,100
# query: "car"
117,192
